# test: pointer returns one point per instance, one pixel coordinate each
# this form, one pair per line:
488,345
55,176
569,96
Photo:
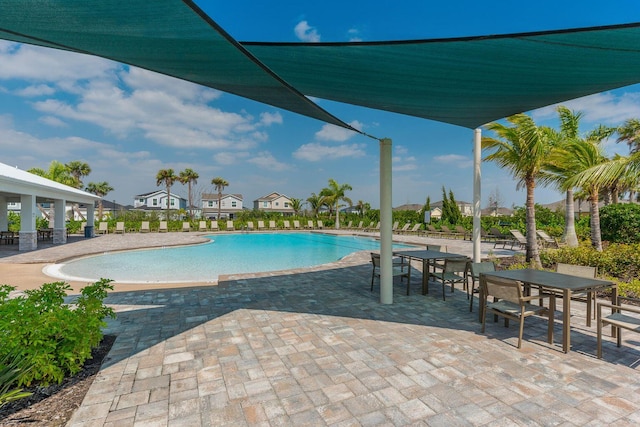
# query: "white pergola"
28,189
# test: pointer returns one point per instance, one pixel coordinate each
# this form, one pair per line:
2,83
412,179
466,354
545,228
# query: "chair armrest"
619,307
539,296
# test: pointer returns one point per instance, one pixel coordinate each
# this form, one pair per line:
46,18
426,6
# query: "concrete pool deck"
315,347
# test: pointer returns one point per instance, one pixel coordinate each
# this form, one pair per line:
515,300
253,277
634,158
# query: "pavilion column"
88,229
28,233
4,214
477,158
386,236
59,231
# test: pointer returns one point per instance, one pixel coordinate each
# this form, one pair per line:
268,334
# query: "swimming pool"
224,254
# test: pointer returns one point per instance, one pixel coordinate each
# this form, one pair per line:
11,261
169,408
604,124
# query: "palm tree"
166,177
78,170
335,193
296,205
316,202
523,148
100,189
629,132
559,172
581,155
57,172
189,177
220,184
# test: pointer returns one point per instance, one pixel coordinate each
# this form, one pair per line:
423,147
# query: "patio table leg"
425,277
566,320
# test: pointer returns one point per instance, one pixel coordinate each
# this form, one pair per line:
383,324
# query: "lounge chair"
144,227
520,241
162,228
415,229
202,226
272,225
186,226
350,225
433,231
509,302
310,225
463,232
547,241
260,225
103,228
370,227
447,232
404,228
320,225
296,224
286,224
250,226
395,226
360,225
230,226
214,226
119,228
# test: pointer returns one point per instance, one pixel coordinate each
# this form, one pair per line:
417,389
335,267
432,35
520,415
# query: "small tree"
100,189
220,184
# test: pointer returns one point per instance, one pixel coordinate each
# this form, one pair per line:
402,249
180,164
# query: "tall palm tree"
316,202
559,172
100,189
57,172
296,205
78,170
522,148
334,194
166,177
220,185
629,132
189,177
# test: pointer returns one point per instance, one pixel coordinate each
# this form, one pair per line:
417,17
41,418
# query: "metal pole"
477,158
386,236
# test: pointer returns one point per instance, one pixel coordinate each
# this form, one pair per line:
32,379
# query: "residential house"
230,205
156,201
466,209
274,202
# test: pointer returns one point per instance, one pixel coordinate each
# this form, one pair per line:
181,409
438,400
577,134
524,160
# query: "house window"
210,203
265,204
234,204
155,202
286,204
173,202
277,203
141,200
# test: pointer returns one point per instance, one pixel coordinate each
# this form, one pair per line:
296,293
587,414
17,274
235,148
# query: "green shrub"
620,223
12,368
54,337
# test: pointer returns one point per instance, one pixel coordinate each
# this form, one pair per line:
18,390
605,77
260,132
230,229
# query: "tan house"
274,202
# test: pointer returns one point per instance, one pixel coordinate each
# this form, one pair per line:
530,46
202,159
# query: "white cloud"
266,160
336,133
354,35
314,152
306,33
35,90
53,122
228,157
267,119
456,159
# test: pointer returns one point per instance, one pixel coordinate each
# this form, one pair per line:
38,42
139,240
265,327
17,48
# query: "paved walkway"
315,347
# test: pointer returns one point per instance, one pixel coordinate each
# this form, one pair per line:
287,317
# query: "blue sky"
128,123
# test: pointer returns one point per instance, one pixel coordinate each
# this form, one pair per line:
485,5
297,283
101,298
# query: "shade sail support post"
477,159
386,236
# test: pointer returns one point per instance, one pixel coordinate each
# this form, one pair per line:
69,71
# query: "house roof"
409,207
214,196
465,81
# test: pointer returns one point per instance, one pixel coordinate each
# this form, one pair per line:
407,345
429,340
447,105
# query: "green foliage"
12,368
54,337
620,223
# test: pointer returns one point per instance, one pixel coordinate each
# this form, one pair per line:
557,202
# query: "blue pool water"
225,254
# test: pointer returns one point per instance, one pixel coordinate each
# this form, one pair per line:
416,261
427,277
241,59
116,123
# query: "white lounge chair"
162,228
214,226
144,227
103,228
202,226
272,225
230,226
296,224
186,226
119,227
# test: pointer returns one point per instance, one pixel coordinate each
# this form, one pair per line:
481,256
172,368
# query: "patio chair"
398,271
453,271
250,226
162,228
214,226
586,297
286,224
405,228
144,227
475,268
547,241
360,225
310,225
415,229
260,225
350,225
619,319
433,231
509,302
202,226
371,226
320,225
103,228
520,241
447,232
440,248
230,226
186,226
463,232
296,224
272,225
119,228
394,227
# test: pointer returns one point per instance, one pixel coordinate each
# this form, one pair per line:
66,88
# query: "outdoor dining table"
426,256
550,280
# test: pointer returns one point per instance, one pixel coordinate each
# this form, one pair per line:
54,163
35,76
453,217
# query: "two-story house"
274,202
230,205
158,201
